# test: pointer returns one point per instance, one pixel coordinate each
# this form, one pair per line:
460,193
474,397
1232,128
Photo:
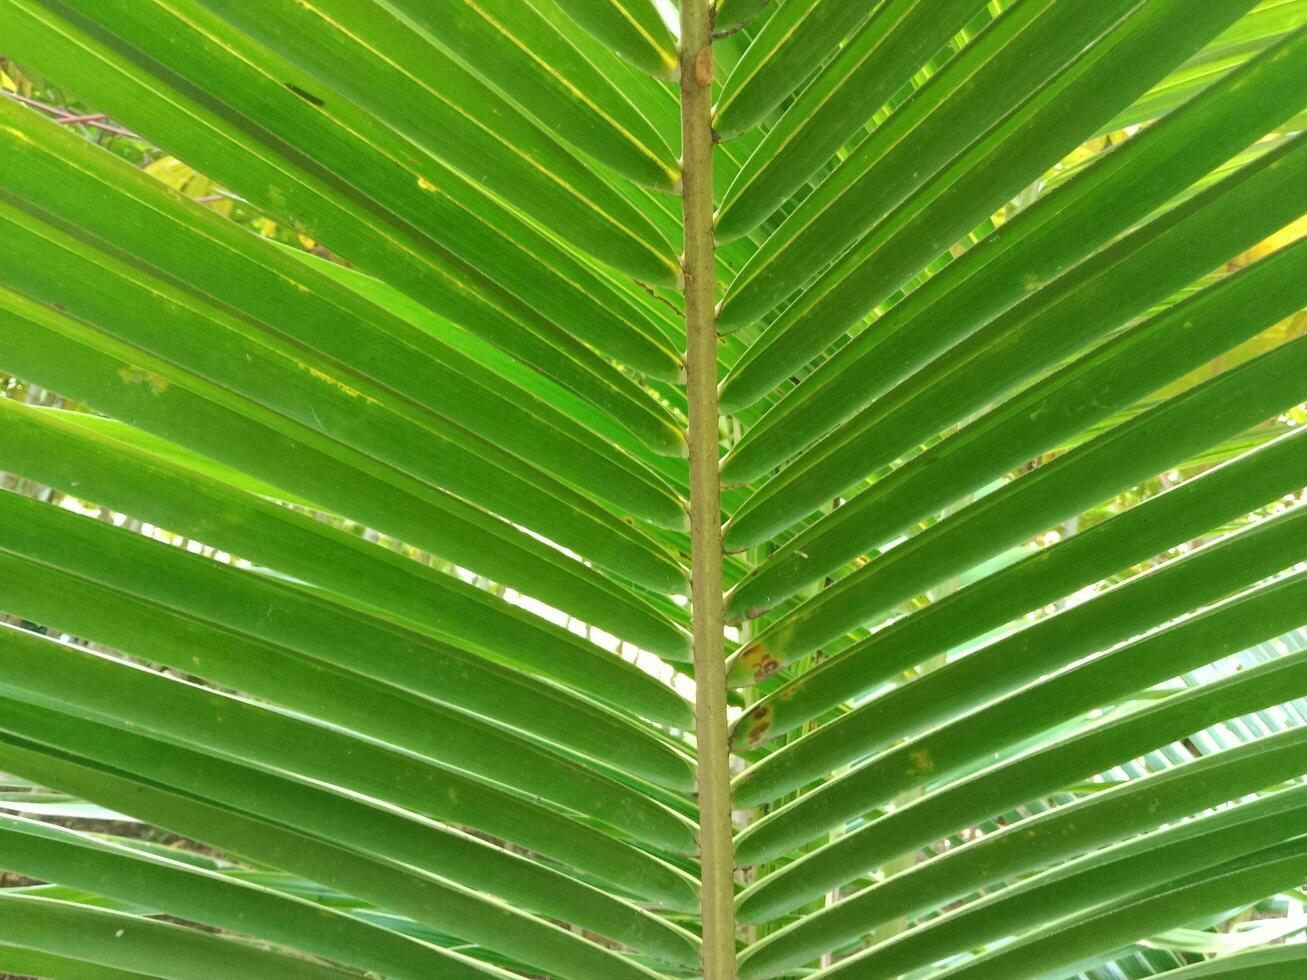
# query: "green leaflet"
513,159
970,95
1207,575
312,200
100,578
441,64
149,392
734,13
1029,776
1005,161
298,300
1060,949
790,44
1054,234
385,869
1098,876
897,39
1187,511
1136,451
52,854
190,717
1012,350
632,29
116,940
1262,26
444,638
26,961
1272,963
970,727
295,305
558,421
514,50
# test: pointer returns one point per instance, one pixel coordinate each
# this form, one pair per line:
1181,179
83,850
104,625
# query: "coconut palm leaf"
627,489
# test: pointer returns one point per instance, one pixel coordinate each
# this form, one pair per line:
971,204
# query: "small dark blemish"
306,96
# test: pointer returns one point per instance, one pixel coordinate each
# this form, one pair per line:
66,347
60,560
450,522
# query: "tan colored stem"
716,848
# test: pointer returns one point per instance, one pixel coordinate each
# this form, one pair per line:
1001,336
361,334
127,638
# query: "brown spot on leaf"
790,690
758,660
139,376
758,724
